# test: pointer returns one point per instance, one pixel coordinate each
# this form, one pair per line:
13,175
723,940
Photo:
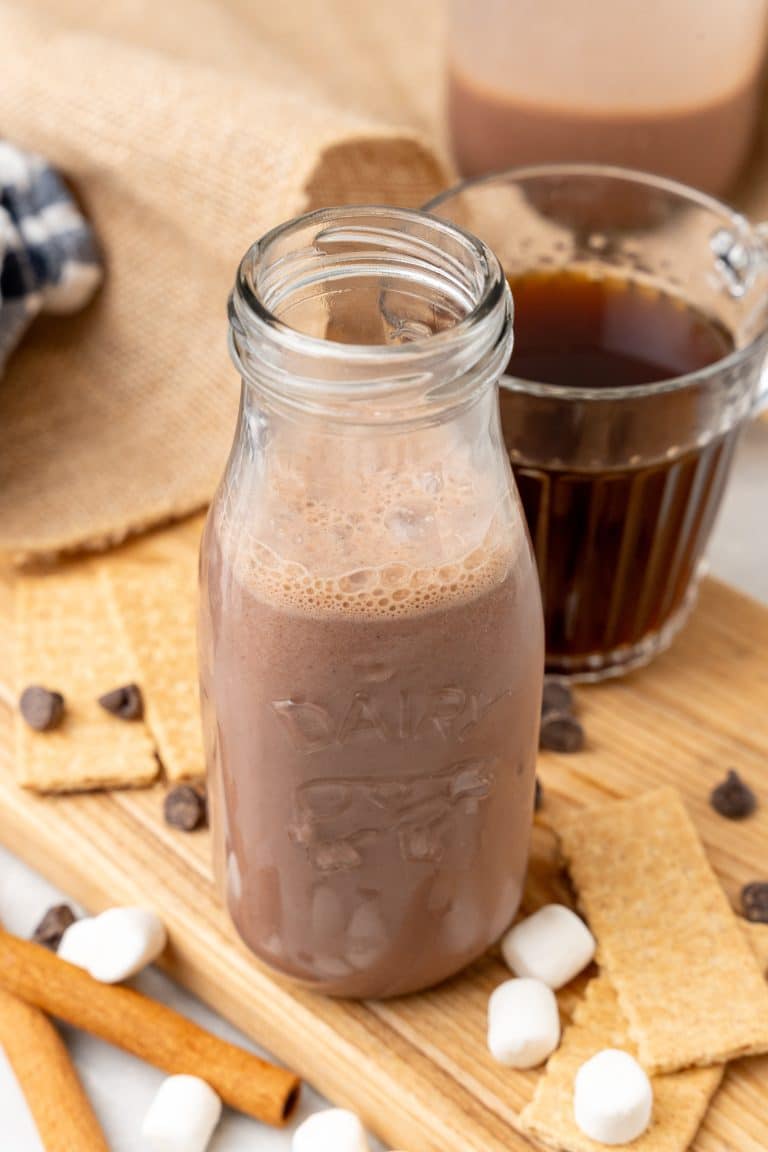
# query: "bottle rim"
438,263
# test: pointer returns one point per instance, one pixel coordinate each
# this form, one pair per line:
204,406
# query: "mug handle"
739,255
760,402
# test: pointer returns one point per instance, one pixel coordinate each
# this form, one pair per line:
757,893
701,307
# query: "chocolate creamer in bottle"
371,626
673,87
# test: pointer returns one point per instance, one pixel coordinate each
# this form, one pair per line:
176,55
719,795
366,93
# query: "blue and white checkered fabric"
49,259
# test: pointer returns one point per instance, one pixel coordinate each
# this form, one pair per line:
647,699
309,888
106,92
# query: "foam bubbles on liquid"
418,590
393,543
407,523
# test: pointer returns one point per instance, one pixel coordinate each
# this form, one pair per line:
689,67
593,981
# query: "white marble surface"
739,546
120,1086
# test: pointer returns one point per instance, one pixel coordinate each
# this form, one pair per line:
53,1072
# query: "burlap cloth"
187,128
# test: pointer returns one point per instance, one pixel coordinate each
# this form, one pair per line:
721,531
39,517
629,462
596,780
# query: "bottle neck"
369,317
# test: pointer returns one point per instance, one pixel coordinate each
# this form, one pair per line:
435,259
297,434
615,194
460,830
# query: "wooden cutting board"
417,1070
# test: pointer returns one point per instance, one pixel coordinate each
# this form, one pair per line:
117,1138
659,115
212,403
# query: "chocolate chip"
557,695
538,796
561,732
125,702
53,926
733,798
185,808
754,902
41,708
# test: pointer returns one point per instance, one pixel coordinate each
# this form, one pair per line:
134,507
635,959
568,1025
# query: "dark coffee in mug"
616,549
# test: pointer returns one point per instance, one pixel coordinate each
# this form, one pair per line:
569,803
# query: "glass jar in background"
371,630
641,318
673,87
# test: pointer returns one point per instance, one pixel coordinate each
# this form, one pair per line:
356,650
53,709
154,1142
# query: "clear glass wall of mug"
371,631
621,473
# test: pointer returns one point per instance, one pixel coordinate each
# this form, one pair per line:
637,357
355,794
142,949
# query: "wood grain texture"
417,1070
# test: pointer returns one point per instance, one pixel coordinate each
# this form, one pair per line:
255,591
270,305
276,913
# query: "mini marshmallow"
523,1023
553,945
115,945
182,1116
612,1098
335,1128
78,941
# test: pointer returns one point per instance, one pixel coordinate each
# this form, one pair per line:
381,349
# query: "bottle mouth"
370,312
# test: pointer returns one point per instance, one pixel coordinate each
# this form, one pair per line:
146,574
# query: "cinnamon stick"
60,1109
146,1028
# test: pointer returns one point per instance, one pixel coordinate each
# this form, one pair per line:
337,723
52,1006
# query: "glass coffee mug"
641,332
371,631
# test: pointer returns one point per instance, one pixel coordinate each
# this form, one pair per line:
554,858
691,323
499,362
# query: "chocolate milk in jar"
371,626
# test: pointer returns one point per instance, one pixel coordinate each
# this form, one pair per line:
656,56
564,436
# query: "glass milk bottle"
371,626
